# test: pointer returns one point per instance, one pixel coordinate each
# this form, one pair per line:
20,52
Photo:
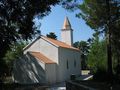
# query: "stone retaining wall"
70,85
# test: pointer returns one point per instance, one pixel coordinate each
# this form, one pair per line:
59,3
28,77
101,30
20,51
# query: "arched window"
67,65
74,63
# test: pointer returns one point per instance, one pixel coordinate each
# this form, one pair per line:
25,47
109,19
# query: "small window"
74,63
67,65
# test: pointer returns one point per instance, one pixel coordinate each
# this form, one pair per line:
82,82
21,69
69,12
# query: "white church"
47,60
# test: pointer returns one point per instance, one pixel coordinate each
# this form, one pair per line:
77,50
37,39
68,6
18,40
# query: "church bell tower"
67,32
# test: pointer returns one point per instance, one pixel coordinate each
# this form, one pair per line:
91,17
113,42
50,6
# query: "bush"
100,75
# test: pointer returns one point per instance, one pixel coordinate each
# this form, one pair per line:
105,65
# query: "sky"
54,23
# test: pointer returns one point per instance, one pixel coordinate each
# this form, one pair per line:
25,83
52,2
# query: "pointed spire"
66,24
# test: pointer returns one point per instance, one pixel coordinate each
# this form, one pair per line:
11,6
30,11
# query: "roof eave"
30,44
50,42
70,49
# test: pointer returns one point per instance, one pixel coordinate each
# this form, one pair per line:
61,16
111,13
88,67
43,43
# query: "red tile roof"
42,57
59,43
52,41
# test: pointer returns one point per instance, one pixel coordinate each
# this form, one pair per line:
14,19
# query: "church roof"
66,24
59,43
54,42
42,58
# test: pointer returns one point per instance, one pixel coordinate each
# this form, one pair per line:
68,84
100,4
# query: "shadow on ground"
22,87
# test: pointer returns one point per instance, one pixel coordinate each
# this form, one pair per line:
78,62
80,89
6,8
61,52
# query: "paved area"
61,86
85,77
57,86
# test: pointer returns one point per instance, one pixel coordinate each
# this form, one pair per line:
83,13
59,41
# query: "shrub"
100,75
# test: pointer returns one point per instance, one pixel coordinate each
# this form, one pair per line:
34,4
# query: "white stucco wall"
58,72
27,70
49,50
72,56
50,73
34,47
67,36
44,47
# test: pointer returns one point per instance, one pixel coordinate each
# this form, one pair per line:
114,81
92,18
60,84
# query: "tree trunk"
109,51
109,58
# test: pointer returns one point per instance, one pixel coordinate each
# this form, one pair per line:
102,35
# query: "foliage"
84,48
100,75
95,12
97,57
16,21
82,45
52,35
76,44
104,17
71,4
15,51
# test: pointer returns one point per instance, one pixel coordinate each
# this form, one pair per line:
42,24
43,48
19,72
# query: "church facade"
47,60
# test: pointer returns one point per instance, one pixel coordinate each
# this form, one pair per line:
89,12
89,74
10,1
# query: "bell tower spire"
66,24
67,32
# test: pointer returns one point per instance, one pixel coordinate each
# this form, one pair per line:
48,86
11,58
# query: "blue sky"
54,22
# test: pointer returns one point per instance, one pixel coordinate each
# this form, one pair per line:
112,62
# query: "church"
47,60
